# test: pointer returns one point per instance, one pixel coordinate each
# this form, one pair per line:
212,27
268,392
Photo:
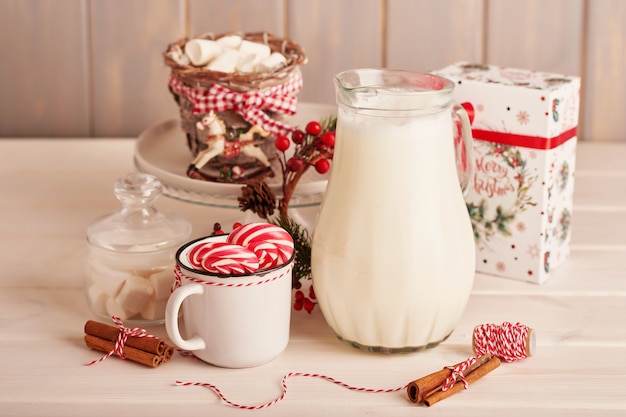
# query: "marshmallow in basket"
232,54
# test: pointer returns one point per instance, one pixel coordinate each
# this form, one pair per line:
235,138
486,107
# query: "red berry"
328,138
297,136
217,229
322,166
297,305
236,225
313,128
308,305
295,164
282,143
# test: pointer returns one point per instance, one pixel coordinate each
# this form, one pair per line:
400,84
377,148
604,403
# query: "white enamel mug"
230,321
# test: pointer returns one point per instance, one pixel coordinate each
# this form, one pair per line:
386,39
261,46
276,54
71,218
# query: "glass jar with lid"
129,268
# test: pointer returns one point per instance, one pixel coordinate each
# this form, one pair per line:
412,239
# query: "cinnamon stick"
470,377
107,332
169,352
420,388
130,353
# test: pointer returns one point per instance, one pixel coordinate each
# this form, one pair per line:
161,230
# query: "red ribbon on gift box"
534,142
504,138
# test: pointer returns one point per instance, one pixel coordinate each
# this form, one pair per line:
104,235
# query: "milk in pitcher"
393,250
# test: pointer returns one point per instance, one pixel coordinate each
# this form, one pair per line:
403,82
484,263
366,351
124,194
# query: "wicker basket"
201,78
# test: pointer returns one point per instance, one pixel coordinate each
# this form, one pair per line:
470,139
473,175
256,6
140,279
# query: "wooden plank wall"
93,68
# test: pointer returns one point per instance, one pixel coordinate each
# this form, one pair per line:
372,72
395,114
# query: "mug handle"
172,310
463,147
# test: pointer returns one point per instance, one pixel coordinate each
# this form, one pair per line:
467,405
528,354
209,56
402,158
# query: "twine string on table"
218,392
124,334
507,342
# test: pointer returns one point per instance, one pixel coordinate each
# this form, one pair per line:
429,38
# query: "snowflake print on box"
520,199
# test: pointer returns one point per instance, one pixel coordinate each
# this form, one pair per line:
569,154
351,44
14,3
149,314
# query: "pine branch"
302,246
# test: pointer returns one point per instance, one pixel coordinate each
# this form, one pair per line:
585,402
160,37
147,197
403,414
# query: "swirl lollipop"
248,234
268,253
223,258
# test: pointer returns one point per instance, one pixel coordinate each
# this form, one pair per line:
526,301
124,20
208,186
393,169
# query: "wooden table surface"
52,189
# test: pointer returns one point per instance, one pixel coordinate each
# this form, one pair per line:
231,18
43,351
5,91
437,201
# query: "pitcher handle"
463,147
172,310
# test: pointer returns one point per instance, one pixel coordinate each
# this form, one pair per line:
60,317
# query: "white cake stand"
161,150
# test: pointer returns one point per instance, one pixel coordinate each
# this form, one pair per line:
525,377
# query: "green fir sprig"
312,147
302,247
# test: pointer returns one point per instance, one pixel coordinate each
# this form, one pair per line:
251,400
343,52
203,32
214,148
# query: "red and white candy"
223,258
249,248
267,233
268,253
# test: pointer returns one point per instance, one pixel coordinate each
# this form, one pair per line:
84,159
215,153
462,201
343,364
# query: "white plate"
162,151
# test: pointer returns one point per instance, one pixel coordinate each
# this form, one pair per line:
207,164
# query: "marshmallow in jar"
129,268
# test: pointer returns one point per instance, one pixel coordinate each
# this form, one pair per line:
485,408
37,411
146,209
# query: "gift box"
520,197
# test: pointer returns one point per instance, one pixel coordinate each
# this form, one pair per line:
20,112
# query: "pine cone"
258,197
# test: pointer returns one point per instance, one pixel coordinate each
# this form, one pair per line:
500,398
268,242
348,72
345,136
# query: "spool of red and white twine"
508,342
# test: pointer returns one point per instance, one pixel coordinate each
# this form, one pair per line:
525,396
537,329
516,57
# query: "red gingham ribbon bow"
125,333
251,105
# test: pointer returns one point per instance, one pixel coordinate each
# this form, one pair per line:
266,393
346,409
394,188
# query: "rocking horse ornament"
219,144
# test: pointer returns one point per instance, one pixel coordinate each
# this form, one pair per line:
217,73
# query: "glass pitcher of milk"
393,248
